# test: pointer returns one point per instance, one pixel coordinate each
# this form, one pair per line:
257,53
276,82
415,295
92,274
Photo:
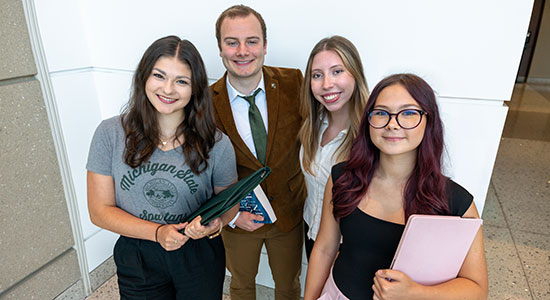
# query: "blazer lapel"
225,114
272,96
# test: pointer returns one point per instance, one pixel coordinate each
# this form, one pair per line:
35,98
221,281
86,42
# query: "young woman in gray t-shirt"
154,165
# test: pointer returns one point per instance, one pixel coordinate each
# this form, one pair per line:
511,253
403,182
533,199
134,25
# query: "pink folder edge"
433,248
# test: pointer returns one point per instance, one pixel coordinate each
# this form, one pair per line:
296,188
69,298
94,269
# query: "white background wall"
468,50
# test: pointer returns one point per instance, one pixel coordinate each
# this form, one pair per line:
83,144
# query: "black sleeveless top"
370,243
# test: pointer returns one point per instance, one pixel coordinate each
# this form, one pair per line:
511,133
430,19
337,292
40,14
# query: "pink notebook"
432,248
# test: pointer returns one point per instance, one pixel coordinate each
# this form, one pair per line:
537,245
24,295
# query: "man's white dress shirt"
240,106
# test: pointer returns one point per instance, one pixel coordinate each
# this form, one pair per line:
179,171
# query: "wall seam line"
37,271
17,80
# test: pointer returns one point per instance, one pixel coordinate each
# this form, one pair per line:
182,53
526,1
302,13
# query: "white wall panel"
64,36
113,91
122,30
99,247
472,137
468,49
84,99
79,113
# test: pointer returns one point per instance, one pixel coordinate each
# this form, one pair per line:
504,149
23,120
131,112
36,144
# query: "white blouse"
320,166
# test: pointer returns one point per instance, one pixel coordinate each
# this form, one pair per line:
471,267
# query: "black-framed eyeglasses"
406,119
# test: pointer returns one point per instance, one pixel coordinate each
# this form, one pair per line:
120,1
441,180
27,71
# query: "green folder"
229,197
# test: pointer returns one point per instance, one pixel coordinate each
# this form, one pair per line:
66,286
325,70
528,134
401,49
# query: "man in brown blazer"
272,117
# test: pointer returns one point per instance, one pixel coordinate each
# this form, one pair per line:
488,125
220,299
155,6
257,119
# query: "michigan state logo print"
160,193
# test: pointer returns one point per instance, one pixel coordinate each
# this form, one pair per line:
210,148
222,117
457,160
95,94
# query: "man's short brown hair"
238,11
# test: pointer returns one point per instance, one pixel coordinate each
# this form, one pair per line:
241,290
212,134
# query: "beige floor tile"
107,291
546,150
506,276
262,292
519,155
103,273
543,89
529,114
527,125
534,252
530,98
492,212
520,180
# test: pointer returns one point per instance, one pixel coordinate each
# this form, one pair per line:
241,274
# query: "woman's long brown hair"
139,118
315,111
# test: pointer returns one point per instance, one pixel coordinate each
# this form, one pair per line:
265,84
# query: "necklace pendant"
164,143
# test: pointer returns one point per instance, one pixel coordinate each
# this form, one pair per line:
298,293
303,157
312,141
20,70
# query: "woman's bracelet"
211,236
157,232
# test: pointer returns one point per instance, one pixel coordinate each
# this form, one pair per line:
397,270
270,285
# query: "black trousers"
146,271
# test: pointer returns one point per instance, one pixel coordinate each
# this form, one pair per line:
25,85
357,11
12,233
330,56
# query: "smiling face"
331,83
168,87
242,47
392,139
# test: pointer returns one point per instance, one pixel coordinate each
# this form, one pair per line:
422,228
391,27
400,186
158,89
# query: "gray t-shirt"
164,189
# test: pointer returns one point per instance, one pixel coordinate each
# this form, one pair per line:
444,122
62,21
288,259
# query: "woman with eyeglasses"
393,171
333,95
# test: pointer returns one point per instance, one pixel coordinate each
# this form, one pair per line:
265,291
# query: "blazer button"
270,198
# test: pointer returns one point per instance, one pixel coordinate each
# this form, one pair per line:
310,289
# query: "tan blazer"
284,187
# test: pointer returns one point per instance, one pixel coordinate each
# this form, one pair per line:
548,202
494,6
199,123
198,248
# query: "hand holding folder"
224,201
433,248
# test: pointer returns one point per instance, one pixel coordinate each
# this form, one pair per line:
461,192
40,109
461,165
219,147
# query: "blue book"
256,203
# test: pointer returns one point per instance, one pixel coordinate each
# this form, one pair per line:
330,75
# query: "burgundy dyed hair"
425,191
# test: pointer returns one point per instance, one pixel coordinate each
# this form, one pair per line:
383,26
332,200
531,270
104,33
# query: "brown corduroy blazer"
285,186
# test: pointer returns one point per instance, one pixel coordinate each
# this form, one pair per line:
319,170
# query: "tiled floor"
517,210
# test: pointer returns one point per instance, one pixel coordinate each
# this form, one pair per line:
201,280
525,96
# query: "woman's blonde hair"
315,111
